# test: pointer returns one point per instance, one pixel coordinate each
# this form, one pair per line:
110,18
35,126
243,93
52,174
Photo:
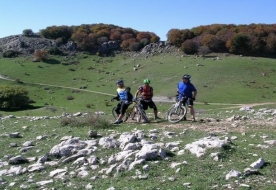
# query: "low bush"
10,54
96,121
70,97
41,55
90,120
13,97
28,32
55,51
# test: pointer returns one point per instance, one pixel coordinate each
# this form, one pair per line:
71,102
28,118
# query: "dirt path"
229,106
57,86
156,98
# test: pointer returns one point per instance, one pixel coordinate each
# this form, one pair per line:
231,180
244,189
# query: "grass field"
230,80
224,85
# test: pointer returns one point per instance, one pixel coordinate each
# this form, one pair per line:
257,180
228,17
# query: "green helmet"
146,81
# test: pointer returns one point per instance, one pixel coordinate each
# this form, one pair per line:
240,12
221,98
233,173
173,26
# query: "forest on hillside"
253,39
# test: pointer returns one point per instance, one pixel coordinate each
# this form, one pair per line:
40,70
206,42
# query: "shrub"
28,32
55,51
13,97
19,81
91,120
135,46
60,41
70,121
144,42
22,44
89,105
96,121
70,97
189,47
51,108
41,55
10,54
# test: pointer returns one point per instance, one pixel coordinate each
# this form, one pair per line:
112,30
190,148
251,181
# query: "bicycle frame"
132,110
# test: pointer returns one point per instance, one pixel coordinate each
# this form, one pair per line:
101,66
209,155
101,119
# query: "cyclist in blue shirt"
125,98
185,87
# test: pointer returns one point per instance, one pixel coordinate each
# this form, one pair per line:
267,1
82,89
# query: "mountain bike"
135,109
178,111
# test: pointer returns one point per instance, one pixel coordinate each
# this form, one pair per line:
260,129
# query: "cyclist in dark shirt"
125,98
188,89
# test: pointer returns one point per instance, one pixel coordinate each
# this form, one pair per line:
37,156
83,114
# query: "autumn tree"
189,47
204,50
154,39
239,44
174,36
54,32
270,47
256,45
144,41
142,35
212,42
135,46
101,40
177,37
115,34
126,36
126,44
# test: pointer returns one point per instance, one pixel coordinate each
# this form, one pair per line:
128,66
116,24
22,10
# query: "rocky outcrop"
28,45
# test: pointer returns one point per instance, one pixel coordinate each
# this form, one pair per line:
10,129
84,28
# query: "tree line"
253,39
89,36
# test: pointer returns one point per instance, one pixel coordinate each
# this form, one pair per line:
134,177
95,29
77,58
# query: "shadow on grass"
29,107
51,61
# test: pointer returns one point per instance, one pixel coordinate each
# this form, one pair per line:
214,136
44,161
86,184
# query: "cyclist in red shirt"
146,91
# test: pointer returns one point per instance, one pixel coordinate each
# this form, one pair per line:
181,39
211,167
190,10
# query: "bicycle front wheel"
177,113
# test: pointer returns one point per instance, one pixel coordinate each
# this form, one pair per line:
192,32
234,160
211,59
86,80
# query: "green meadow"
226,80
224,84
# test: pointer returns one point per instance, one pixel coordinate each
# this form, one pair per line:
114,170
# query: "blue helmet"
120,81
186,77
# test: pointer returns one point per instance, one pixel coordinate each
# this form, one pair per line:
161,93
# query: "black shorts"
147,104
188,101
121,108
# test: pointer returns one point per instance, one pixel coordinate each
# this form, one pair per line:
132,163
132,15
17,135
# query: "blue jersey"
122,93
185,88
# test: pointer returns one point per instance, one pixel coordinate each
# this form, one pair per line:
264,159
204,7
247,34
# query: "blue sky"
158,16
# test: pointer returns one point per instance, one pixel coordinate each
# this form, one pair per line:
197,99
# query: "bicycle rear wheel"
133,114
177,113
141,115
114,113
168,111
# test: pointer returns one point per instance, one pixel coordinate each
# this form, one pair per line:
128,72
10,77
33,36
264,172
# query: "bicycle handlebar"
137,99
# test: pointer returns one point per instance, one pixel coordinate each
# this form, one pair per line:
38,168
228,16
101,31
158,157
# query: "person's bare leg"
155,113
120,117
192,111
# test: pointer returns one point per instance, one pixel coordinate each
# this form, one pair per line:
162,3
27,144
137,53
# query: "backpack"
129,95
